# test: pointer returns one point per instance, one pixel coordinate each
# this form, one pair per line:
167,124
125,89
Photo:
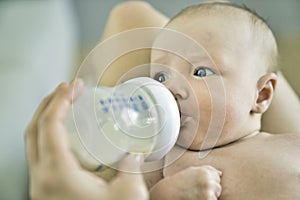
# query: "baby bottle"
137,116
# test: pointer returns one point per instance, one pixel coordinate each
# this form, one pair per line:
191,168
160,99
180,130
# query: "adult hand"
55,173
202,182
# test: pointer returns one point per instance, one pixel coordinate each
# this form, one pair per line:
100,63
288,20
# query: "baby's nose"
177,90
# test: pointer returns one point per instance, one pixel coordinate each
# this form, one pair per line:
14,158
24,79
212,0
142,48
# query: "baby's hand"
202,182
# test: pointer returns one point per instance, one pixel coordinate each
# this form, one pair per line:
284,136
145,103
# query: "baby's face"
213,84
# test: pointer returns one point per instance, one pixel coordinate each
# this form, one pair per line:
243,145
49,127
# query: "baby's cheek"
229,118
234,121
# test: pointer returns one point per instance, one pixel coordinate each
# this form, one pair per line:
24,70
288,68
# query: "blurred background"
43,41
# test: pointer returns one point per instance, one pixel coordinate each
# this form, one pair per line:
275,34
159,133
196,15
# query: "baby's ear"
265,91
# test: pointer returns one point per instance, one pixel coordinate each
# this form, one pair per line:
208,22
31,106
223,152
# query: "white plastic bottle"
140,115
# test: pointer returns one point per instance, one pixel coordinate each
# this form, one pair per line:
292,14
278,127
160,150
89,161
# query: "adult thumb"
131,164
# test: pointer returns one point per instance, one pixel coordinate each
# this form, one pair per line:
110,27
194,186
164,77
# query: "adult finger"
31,132
131,163
129,182
53,141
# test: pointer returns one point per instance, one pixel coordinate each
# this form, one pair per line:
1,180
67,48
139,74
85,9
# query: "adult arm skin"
284,112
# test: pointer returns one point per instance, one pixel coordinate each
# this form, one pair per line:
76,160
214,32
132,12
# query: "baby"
232,75
222,85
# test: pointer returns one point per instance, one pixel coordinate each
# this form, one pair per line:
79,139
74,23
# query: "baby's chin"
192,147
188,142
196,146
198,143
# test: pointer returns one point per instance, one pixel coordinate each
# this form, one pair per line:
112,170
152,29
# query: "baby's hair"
212,3
260,25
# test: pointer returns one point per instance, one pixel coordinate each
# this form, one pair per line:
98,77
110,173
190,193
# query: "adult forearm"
284,112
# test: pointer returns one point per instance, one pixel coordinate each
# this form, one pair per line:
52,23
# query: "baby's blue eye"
203,71
161,77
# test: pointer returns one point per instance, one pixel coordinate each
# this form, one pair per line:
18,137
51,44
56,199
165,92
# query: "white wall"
37,47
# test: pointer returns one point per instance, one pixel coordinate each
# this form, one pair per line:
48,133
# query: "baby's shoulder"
283,137
288,142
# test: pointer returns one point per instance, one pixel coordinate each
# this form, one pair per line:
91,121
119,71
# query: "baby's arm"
201,182
284,112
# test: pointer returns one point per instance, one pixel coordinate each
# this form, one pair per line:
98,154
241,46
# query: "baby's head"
224,88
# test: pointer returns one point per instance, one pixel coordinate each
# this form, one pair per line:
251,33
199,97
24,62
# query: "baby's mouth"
178,105
184,119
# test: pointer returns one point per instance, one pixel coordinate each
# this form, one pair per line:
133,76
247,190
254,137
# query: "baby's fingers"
216,176
212,169
218,190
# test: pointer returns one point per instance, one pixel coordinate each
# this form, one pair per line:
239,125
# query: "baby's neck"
248,136
238,140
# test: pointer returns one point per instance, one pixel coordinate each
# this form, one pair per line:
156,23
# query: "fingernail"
78,83
139,157
130,163
77,87
136,157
